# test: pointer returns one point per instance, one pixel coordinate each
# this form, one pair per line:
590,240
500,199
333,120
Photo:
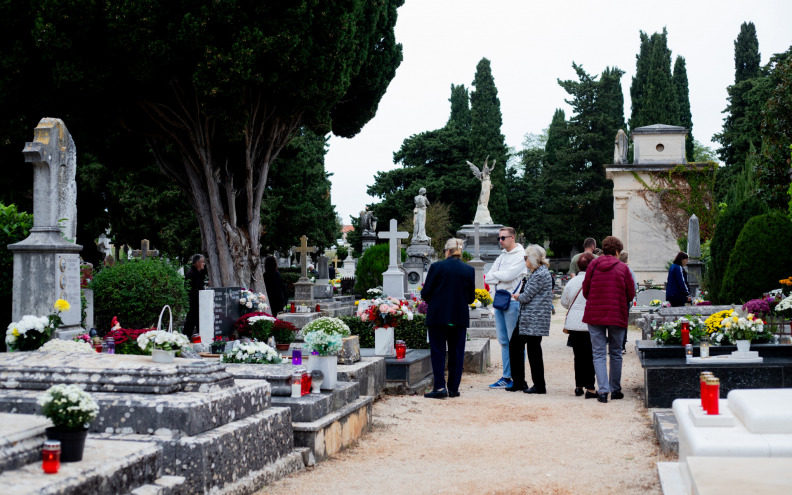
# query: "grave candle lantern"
306,383
703,388
713,386
50,456
297,356
292,308
685,333
296,384
401,349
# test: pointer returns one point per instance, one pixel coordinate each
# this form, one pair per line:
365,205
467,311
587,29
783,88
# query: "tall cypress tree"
460,108
486,138
746,53
557,136
742,124
653,97
683,102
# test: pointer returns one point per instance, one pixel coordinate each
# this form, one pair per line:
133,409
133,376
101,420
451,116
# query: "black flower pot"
72,443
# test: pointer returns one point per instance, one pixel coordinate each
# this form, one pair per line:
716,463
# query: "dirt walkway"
492,441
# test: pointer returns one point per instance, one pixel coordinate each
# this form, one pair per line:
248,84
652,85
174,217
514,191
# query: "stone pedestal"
47,268
694,276
488,245
420,256
393,283
369,239
303,292
478,266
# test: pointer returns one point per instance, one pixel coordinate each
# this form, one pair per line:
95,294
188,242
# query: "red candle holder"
713,386
685,333
318,309
50,456
196,339
401,349
306,382
292,308
703,388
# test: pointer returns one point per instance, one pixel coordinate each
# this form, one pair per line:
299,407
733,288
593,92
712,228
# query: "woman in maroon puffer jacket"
607,288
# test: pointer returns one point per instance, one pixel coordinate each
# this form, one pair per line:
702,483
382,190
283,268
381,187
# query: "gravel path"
492,441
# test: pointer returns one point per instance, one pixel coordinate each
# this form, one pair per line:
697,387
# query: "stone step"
176,414
477,356
666,430
21,439
311,407
211,462
167,485
331,433
482,332
350,300
369,372
108,467
299,320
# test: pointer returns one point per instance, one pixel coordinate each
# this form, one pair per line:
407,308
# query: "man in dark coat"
449,288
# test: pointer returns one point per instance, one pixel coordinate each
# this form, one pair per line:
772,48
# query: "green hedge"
760,258
136,291
289,278
14,227
369,270
730,223
413,333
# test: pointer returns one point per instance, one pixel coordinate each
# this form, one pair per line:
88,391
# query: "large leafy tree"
486,138
215,88
297,201
578,198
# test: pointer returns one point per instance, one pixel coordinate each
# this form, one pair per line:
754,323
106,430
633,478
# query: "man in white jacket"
507,273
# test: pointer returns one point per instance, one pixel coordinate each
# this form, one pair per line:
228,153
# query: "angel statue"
482,212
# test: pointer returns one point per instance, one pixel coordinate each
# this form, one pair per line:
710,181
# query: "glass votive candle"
296,383
50,456
704,347
110,343
297,356
305,383
688,352
401,349
196,338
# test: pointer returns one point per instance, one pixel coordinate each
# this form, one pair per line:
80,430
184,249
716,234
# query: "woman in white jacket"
572,299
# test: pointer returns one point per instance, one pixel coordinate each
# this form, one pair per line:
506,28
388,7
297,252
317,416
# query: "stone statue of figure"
620,150
482,210
368,222
419,217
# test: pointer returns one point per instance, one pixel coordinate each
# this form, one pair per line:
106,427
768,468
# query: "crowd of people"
598,299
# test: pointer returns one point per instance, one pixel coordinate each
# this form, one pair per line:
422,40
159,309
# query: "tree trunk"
230,225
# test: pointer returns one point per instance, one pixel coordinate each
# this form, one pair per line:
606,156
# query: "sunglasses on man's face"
504,237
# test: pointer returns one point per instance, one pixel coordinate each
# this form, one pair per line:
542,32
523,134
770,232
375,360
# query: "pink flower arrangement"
385,312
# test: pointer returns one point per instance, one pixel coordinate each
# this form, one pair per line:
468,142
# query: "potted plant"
163,345
252,353
324,336
742,331
261,327
71,411
385,314
284,333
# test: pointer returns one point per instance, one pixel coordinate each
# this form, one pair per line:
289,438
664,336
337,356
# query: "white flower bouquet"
252,353
68,407
164,340
386,312
29,333
70,346
324,335
255,301
739,328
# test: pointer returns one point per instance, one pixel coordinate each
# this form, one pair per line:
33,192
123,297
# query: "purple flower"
757,307
422,307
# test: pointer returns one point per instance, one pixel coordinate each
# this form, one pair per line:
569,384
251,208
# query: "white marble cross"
393,235
304,249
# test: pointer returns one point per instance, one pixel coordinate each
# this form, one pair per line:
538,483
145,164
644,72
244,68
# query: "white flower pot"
743,345
384,342
328,365
162,356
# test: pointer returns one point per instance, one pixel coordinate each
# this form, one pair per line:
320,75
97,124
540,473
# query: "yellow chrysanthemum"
15,333
62,305
357,302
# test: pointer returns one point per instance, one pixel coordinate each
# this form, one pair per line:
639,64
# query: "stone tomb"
406,376
759,432
202,421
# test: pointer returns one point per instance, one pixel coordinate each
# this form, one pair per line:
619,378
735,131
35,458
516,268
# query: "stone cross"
144,251
393,235
335,261
304,249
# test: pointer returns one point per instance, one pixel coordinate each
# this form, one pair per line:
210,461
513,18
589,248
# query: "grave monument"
393,278
368,228
303,288
47,263
420,252
488,230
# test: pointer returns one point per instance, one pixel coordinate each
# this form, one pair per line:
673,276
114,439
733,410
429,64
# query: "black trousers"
534,347
452,336
584,362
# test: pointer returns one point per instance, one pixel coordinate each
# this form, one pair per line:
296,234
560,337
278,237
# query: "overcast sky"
531,45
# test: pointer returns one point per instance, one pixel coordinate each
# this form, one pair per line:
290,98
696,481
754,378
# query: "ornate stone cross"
304,249
393,235
144,251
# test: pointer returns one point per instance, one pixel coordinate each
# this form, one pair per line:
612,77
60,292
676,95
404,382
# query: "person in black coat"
274,285
194,277
449,288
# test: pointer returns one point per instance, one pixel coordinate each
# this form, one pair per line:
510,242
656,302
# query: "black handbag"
503,298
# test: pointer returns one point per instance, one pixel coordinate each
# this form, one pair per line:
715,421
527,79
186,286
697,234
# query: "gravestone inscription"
227,309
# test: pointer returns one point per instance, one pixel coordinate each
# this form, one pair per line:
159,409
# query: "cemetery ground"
493,441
